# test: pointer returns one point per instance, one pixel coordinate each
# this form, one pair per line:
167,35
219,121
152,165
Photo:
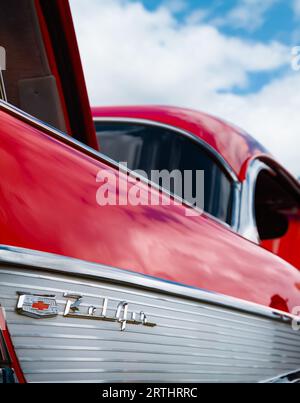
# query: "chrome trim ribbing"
200,336
66,265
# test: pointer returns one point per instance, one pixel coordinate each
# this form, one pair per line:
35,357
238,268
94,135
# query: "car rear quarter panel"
48,203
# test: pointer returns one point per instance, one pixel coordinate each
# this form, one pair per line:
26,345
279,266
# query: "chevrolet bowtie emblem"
37,306
72,309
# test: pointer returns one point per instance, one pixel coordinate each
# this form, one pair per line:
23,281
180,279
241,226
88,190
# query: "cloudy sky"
229,58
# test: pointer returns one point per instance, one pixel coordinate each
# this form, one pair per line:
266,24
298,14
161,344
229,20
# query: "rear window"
147,148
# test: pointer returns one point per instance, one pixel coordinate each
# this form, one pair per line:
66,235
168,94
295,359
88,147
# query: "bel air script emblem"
45,306
37,306
122,316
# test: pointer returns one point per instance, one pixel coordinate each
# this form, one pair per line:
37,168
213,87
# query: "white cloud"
248,14
132,55
272,116
296,7
197,16
175,6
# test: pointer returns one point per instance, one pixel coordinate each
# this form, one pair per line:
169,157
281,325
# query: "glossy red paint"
235,145
60,43
66,23
52,62
287,247
48,203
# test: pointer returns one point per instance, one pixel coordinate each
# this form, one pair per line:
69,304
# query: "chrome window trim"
103,158
247,224
2,88
42,261
184,133
224,164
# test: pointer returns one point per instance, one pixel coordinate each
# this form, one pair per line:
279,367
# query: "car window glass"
149,148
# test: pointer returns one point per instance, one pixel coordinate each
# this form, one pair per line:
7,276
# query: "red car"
122,292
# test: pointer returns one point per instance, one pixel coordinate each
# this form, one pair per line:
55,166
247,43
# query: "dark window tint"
275,204
154,148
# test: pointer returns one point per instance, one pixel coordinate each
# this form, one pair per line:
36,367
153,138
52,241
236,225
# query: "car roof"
232,143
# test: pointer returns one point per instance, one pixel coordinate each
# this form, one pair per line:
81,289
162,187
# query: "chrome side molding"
69,266
290,377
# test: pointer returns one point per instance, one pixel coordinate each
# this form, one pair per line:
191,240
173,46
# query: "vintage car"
132,293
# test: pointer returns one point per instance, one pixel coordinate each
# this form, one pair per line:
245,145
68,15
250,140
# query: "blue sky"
279,23
228,58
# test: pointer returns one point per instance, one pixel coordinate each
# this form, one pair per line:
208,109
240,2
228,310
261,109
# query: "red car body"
234,145
49,204
48,200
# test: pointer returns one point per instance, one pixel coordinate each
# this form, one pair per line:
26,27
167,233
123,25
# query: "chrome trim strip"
185,133
67,337
289,377
121,380
289,343
226,326
70,266
213,312
247,223
227,168
216,316
2,88
131,360
269,356
256,335
129,371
